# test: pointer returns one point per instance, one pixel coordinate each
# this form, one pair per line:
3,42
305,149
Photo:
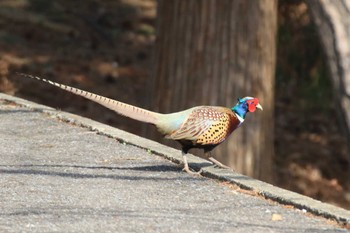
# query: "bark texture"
332,20
212,52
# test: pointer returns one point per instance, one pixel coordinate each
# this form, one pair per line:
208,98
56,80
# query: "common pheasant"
202,127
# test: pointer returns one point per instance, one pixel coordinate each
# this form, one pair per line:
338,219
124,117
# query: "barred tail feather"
121,108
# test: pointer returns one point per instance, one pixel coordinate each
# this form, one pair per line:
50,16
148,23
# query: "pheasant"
202,127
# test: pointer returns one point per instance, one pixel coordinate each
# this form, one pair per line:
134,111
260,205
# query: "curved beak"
259,107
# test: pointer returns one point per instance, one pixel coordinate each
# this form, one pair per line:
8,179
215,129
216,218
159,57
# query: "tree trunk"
332,20
212,52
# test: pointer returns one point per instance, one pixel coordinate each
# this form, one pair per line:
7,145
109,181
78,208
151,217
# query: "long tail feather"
124,109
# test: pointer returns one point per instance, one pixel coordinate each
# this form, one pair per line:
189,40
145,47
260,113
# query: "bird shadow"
44,170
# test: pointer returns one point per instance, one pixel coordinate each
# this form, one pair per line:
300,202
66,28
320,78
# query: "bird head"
246,104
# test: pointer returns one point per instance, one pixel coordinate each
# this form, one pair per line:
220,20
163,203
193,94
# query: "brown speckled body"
205,127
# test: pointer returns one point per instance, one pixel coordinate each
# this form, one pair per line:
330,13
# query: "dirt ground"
106,47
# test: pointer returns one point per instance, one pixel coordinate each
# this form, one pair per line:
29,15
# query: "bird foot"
187,168
192,173
217,164
223,167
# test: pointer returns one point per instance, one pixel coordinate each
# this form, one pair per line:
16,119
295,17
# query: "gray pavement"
64,173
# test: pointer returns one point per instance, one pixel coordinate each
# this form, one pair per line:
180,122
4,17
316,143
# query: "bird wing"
205,125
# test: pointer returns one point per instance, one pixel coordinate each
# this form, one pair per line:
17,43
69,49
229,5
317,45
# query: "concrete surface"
64,173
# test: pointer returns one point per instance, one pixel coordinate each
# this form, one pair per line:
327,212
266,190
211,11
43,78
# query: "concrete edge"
263,189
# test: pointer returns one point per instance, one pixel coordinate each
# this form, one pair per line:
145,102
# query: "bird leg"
217,163
187,168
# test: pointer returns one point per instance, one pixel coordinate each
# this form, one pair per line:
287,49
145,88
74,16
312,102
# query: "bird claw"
189,171
222,167
187,168
194,173
218,164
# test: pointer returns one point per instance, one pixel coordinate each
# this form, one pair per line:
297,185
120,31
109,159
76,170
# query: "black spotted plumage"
205,127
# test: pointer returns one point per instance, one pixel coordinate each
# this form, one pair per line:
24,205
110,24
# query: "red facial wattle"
252,104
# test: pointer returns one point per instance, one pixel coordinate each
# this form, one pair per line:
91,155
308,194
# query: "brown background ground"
106,47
